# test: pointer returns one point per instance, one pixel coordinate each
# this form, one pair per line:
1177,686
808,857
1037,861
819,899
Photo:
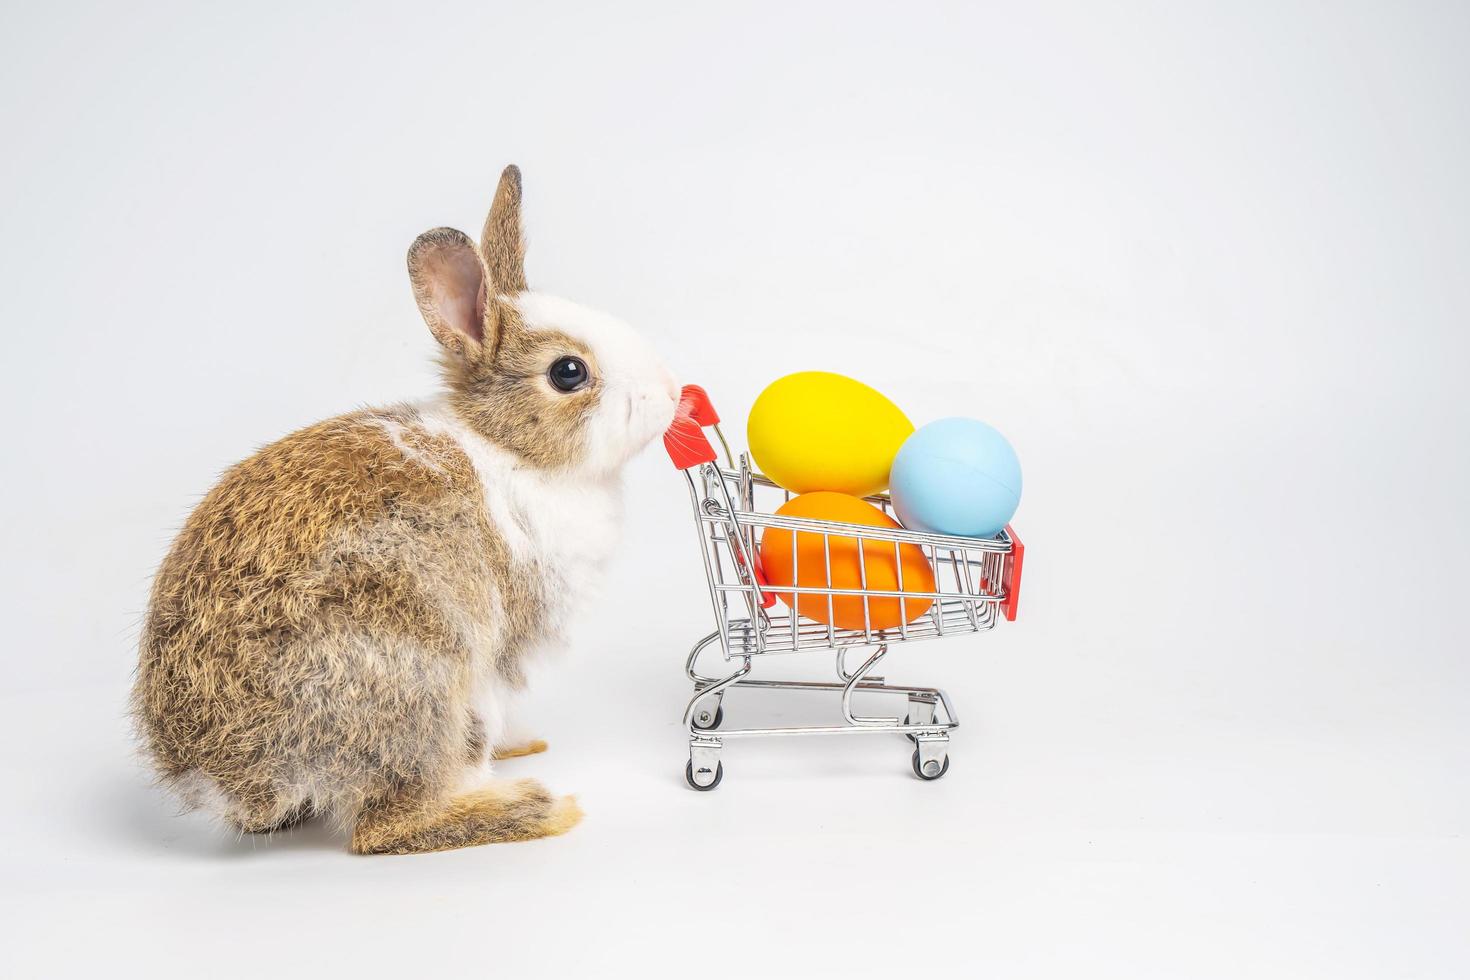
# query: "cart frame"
976,581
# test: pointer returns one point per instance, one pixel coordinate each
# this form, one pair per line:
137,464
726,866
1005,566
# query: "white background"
1206,266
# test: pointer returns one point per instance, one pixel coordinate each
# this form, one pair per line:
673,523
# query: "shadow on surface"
149,819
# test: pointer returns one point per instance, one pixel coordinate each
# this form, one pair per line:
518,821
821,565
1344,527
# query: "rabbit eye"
569,374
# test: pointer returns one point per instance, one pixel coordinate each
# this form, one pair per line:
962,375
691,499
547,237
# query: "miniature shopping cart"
977,580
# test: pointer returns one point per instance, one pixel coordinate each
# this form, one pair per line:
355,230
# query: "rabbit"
346,619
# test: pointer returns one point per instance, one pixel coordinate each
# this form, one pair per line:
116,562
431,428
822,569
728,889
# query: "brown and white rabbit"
345,619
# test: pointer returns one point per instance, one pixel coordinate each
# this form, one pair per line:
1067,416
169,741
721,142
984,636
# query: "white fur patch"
394,430
493,703
200,792
496,469
560,526
475,776
567,526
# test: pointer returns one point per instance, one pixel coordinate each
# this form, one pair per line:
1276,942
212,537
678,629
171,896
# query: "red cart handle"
687,446
1013,587
700,408
684,440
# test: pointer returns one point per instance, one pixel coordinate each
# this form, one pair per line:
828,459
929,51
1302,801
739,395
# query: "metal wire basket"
975,583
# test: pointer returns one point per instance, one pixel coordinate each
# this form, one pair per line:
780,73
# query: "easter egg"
819,431
956,476
798,558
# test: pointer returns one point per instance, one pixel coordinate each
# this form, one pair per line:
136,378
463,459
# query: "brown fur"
506,811
494,367
272,617
507,398
314,633
502,245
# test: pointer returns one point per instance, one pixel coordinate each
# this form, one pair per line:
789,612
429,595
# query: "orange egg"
882,562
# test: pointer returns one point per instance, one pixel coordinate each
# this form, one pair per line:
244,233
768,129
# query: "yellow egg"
820,431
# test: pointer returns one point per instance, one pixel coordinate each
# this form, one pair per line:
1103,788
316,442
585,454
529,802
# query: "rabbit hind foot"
499,811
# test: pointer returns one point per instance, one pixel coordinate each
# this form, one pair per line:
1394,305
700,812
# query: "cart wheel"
719,775
931,770
704,722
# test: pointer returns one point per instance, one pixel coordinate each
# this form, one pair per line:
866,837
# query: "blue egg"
956,476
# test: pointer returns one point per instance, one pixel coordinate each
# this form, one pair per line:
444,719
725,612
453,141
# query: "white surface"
1205,268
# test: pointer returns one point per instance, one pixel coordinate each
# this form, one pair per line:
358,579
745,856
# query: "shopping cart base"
928,722
967,585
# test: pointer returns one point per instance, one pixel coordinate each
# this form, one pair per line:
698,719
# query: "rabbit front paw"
531,746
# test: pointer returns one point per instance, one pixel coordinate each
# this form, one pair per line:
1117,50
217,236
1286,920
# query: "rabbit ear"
501,247
449,285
